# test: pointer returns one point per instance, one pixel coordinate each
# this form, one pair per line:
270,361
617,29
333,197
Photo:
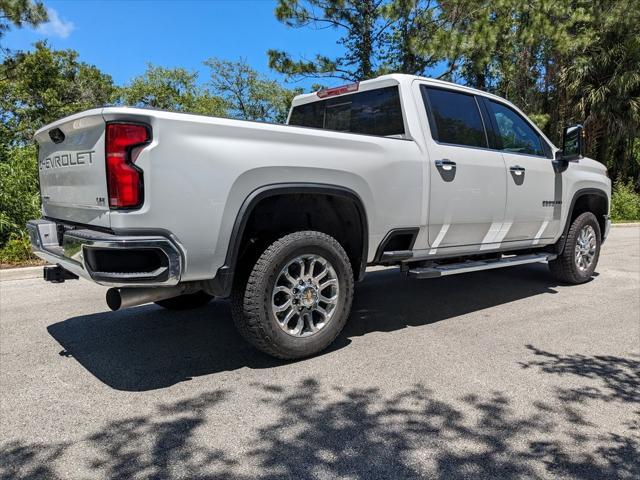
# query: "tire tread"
563,267
247,302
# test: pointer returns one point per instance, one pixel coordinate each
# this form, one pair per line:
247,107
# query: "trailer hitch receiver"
57,274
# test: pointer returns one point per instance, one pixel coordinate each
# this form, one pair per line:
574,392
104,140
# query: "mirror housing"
573,143
572,148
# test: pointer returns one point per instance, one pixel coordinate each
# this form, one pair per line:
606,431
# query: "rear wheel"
297,297
581,251
186,302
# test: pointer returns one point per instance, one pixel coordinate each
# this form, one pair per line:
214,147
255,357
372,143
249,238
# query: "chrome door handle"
517,169
445,164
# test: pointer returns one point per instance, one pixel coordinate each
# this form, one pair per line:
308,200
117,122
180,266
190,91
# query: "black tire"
186,302
252,299
565,268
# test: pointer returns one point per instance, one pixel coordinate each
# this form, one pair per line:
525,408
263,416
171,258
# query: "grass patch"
625,203
17,252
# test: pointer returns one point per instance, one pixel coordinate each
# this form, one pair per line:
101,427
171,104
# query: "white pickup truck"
401,170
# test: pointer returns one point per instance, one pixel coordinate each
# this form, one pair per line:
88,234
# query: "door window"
514,133
454,117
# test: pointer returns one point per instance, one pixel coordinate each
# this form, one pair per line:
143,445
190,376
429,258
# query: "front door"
534,189
468,181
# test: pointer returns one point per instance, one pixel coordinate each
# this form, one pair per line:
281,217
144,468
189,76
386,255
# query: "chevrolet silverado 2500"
434,177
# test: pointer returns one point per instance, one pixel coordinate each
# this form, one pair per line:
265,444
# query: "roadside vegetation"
625,203
562,62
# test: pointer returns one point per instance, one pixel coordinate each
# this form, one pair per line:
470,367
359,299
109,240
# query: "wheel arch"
222,283
592,200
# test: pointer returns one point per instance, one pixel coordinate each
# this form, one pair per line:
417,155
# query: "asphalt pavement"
498,374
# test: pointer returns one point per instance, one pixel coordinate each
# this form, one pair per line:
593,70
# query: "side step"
476,265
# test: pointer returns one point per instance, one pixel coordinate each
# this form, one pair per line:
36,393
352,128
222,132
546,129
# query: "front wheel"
581,251
297,297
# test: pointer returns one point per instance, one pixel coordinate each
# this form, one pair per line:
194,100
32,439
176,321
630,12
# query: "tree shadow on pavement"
147,348
415,435
156,446
324,431
386,301
618,377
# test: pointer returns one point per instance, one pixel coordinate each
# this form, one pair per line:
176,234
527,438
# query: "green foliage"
43,85
574,62
247,94
20,12
602,81
17,251
36,88
378,36
540,119
501,44
19,197
361,23
172,89
413,37
625,202
567,61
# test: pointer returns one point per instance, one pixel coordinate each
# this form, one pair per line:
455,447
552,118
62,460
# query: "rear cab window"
372,112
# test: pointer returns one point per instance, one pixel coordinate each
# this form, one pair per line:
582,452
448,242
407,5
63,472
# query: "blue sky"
120,37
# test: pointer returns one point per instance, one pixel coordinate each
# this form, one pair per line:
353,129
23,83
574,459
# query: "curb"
631,224
21,273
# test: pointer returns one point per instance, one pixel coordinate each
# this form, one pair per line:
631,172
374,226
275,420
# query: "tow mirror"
572,148
572,143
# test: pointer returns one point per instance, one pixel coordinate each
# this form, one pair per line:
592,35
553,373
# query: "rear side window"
454,117
309,115
374,112
515,134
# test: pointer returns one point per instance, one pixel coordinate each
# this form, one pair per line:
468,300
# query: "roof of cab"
406,81
389,80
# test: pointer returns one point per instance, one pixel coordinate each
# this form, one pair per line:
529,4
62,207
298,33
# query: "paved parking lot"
501,374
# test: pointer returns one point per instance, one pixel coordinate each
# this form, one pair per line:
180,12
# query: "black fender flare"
221,284
580,193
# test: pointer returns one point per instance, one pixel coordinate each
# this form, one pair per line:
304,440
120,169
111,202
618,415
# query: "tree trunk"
368,15
601,152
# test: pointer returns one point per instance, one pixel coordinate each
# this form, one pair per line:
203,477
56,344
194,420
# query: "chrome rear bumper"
79,248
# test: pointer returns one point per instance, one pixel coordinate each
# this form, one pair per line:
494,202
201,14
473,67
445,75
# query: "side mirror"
572,143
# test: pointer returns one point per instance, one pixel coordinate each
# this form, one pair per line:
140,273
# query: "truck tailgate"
71,163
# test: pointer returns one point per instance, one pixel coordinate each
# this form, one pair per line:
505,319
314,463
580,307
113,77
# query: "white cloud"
56,26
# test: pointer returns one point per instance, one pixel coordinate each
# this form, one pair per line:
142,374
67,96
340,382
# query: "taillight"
124,179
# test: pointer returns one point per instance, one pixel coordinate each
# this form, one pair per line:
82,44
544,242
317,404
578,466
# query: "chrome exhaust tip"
119,298
114,300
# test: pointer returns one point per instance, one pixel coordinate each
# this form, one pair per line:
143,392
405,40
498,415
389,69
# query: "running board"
477,265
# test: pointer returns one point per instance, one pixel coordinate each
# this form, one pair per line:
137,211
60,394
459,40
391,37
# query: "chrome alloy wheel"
305,295
585,247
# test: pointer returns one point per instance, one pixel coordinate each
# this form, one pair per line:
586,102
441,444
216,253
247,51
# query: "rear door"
534,189
72,171
467,190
